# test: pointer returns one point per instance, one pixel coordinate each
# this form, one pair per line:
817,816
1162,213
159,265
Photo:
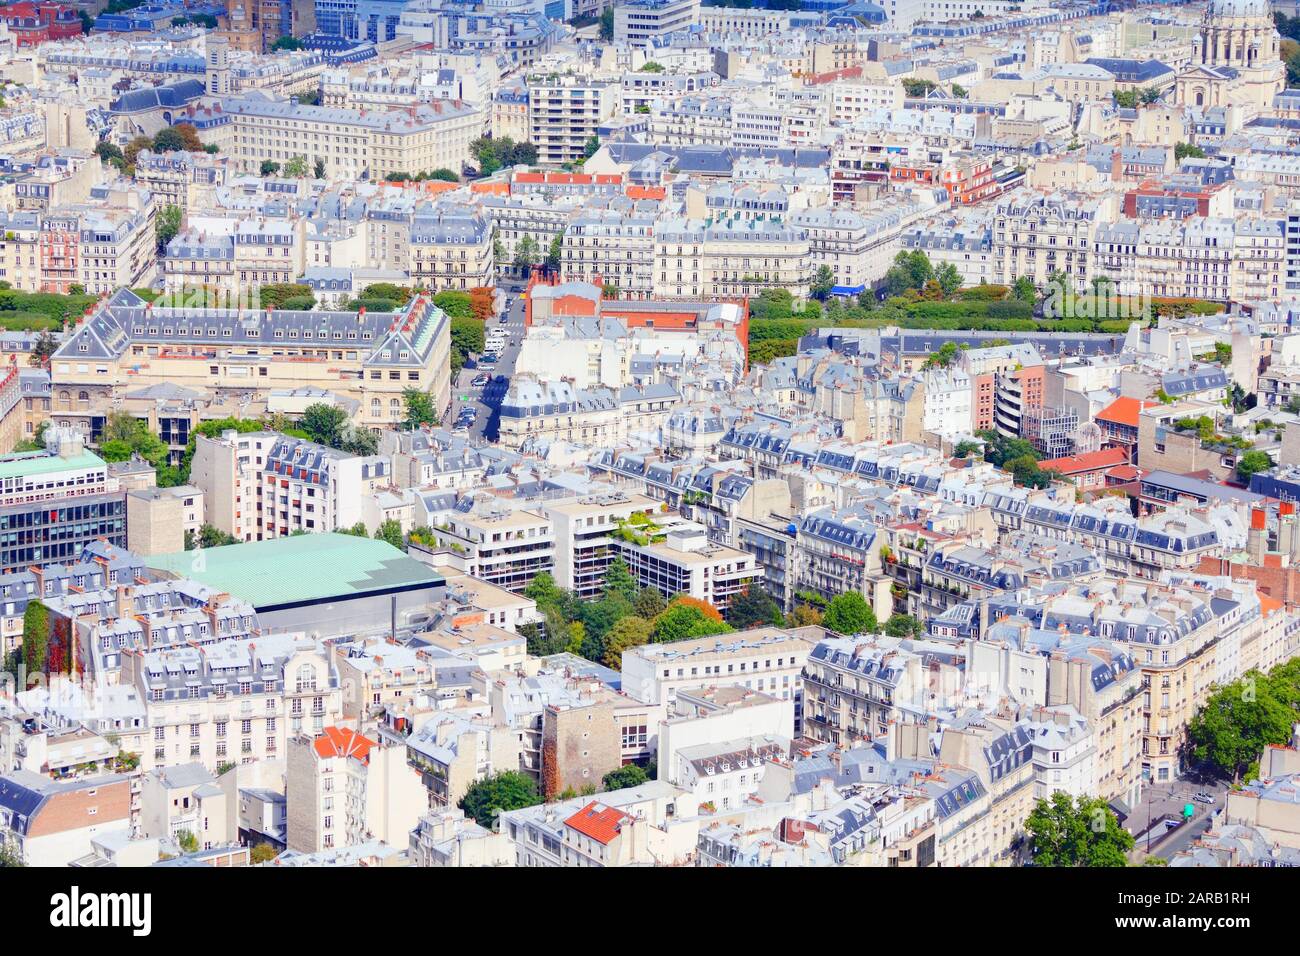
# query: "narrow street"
486,399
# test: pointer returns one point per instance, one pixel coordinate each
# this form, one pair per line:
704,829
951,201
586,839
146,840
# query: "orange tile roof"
598,821
1125,472
343,742
1089,461
1268,605
1125,410
645,192
493,189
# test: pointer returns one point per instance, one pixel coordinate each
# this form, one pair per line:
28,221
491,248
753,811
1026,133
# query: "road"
487,399
1170,798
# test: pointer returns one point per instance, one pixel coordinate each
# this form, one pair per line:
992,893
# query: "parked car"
480,380
1203,797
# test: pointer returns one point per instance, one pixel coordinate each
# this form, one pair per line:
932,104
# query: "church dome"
1238,9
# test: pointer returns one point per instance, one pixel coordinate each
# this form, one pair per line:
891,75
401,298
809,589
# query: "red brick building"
1088,471
35,23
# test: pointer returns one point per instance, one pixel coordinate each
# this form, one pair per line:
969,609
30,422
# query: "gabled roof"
1089,461
342,742
599,822
1124,411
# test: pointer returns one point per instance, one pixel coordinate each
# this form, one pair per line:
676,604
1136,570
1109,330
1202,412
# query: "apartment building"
180,178
264,485
343,789
1047,234
680,559
583,543
371,358
233,700
640,21
766,659
451,750
857,248
613,246
730,258
854,688
502,546
536,411
53,503
47,822
352,144
564,112
451,247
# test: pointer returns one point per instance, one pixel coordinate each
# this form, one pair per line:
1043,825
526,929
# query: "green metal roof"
299,569
25,464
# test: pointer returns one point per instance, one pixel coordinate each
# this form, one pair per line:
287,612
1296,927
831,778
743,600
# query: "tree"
133,148
1187,151
391,531
1230,732
167,225
948,277
286,43
904,625
296,168
754,607
358,530
803,615
169,140
542,589
9,856
607,24
269,167
849,613
1251,463
1082,831
627,633
555,253
619,580
360,441
910,272
276,295
467,335
318,169
324,424
684,619
589,148
1024,290
822,283
649,602
508,790
106,151
213,537
263,853
624,777
44,346
419,408
526,253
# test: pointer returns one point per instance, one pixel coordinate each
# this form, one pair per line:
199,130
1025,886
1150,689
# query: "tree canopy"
1082,831
508,790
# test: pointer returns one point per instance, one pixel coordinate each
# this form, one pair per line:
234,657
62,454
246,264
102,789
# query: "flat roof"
25,464
300,569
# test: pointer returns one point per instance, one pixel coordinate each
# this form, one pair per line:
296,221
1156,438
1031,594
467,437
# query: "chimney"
125,606
1257,537
1286,530
147,627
